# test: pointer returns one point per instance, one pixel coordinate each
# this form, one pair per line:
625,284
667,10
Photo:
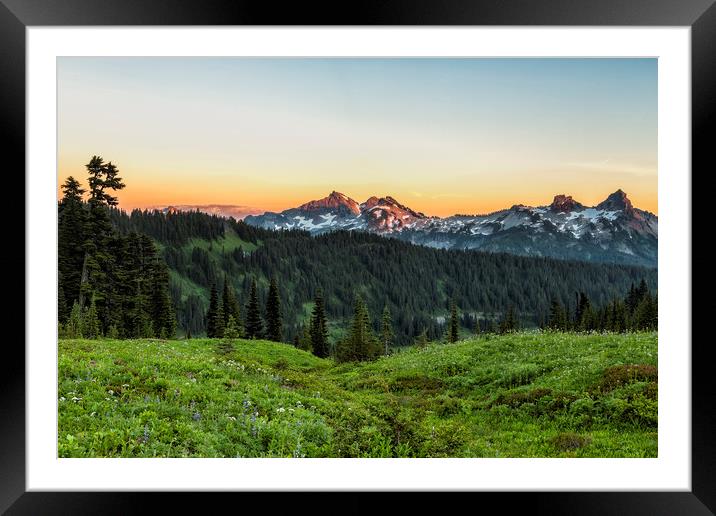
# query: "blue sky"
442,135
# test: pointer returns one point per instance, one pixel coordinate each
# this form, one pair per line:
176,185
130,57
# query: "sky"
441,135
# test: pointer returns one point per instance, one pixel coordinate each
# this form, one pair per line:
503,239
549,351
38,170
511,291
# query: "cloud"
606,165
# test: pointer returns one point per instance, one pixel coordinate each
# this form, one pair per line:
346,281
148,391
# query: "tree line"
109,284
637,311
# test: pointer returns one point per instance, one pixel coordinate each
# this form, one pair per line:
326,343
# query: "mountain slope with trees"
417,284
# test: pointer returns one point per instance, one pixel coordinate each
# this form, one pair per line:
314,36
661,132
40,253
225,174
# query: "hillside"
416,282
519,395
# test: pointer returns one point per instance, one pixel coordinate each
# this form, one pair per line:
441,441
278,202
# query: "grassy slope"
521,395
228,243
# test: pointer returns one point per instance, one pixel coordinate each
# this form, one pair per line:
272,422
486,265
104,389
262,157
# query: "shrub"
620,375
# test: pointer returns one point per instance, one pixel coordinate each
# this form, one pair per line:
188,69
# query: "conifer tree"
386,330
454,325
557,316
422,340
70,239
212,315
509,321
90,322
304,340
274,330
319,327
360,344
645,314
231,331
103,179
162,310
254,326
584,316
230,306
113,332
73,328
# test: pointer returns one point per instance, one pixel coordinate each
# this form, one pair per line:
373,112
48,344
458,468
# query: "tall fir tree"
454,324
386,330
557,316
70,239
73,328
509,321
360,343
274,323
230,306
584,315
212,314
90,322
304,339
319,327
103,180
253,326
162,310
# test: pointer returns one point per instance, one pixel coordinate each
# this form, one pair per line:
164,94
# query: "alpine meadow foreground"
514,395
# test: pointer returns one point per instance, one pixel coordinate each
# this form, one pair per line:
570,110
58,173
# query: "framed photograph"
417,249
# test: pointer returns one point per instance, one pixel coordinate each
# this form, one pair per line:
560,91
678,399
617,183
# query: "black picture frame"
17,15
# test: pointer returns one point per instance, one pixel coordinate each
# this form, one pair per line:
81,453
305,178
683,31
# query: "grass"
521,395
227,243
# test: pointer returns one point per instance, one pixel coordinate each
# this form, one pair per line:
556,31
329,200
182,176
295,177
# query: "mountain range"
613,231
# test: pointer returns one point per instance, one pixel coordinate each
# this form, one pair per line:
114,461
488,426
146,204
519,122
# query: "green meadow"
515,395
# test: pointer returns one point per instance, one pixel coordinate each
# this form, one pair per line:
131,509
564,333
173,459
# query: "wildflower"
111,392
280,409
145,436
